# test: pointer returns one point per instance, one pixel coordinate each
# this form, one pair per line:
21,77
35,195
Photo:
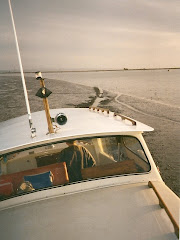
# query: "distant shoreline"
94,70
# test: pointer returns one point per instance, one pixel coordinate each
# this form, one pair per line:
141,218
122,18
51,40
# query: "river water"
162,86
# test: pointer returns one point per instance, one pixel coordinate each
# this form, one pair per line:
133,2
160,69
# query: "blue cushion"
41,180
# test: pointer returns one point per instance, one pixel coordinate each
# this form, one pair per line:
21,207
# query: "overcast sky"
90,34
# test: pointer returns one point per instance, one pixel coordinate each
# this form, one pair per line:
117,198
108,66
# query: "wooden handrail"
99,109
115,114
169,201
125,118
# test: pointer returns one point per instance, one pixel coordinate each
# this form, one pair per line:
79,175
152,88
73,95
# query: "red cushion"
6,188
58,170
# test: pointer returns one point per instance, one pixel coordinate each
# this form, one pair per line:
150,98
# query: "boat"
118,192
122,196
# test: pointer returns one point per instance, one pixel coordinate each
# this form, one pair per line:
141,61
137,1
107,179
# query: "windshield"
73,161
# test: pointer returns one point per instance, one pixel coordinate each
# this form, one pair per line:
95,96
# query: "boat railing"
167,200
97,109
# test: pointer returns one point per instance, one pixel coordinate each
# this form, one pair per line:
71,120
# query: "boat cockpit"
52,165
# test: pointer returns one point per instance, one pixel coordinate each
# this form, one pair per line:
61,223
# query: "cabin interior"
29,170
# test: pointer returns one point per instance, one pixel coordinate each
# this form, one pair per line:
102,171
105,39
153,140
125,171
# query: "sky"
90,34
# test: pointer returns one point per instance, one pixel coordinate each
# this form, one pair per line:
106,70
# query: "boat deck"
129,212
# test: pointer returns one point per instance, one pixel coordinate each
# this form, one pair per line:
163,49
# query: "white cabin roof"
15,133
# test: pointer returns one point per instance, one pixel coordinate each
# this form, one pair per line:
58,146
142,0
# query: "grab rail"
115,114
125,118
99,109
169,201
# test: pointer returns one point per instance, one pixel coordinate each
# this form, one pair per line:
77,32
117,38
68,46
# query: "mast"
43,93
33,130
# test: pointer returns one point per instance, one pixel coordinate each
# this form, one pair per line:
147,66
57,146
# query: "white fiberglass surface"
63,163
15,133
128,212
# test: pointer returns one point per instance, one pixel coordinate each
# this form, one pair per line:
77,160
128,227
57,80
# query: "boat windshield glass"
62,163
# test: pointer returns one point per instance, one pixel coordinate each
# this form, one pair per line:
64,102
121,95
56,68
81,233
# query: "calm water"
157,85
162,86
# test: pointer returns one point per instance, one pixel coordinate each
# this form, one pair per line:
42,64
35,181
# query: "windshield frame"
90,179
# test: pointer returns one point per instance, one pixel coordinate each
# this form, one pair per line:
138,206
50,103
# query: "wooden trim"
99,109
115,168
47,111
125,118
169,201
115,114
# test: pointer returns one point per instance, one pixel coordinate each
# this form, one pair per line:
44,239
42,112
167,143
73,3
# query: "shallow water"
162,86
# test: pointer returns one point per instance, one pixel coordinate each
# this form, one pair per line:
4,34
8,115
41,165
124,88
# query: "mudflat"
163,142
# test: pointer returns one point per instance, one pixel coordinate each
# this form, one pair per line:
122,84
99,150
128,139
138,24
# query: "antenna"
33,130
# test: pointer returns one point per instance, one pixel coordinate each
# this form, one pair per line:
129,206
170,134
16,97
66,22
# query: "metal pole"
21,70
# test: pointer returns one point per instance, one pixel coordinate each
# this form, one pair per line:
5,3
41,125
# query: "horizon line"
90,70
